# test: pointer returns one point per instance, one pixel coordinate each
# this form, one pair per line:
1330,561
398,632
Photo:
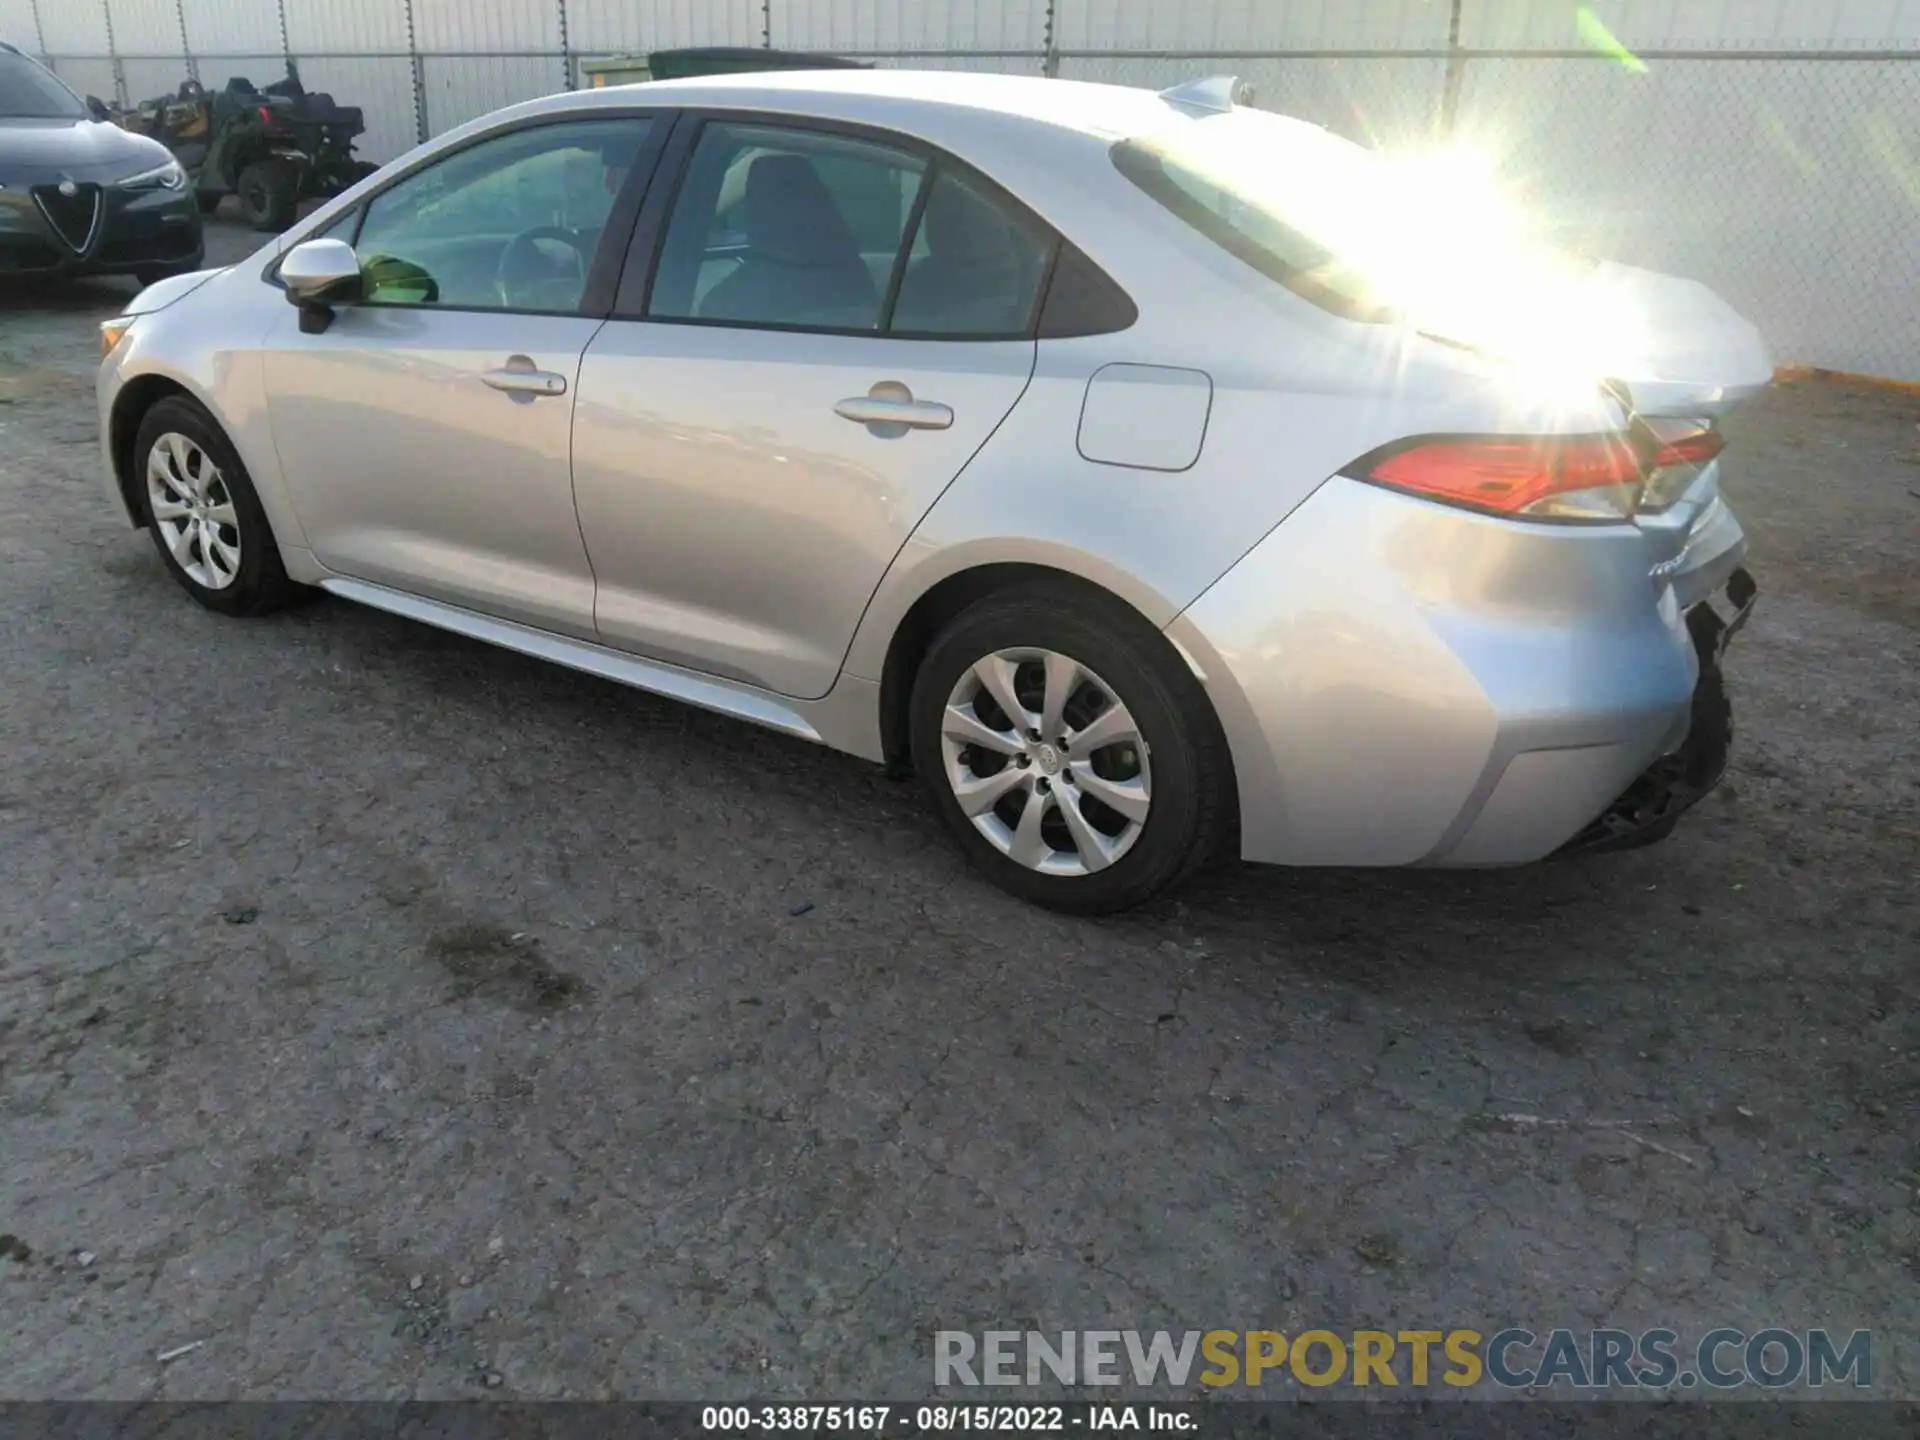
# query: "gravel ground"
393,1016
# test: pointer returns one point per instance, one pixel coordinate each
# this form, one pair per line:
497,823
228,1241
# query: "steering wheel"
529,274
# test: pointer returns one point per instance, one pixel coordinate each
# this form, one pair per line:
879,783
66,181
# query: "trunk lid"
1699,356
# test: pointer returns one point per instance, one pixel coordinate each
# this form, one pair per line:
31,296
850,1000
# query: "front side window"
29,92
511,223
785,227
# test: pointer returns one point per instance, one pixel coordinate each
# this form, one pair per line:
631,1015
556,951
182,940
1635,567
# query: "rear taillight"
1681,442
1674,452
1548,477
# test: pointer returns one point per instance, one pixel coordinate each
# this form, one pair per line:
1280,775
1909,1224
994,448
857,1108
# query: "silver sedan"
1157,478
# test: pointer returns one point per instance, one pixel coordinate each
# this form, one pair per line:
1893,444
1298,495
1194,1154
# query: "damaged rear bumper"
1652,805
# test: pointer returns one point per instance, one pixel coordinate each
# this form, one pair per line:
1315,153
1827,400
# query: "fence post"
113,55
186,48
566,50
766,24
1456,70
286,44
420,130
1050,44
39,30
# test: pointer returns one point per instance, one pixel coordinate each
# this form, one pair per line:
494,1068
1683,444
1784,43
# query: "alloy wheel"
1046,761
194,511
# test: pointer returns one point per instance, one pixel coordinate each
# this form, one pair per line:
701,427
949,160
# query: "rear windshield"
1281,194
1429,238
28,92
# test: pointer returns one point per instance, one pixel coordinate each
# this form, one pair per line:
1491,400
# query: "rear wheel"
204,515
1077,762
269,194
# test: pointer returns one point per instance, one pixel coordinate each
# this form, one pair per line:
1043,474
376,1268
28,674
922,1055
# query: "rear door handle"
890,409
518,377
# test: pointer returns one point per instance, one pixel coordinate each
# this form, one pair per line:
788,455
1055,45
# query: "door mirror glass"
320,272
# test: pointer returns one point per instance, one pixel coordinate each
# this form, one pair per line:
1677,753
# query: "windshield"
28,92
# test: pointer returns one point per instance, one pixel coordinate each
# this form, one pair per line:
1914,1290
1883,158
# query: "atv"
271,147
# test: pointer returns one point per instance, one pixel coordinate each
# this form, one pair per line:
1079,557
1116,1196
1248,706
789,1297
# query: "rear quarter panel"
1295,398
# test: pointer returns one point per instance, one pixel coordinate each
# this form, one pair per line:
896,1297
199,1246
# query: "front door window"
509,224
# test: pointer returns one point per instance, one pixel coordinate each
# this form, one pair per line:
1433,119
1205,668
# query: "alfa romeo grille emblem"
69,189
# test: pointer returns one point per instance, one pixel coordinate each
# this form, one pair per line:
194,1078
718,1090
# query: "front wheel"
1076,760
204,515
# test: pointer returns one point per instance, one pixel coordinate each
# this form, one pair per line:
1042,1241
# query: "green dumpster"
718,60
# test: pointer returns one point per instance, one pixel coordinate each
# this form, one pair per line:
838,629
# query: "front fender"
209,350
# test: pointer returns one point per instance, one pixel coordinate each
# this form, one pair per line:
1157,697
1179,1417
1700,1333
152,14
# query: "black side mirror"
97,108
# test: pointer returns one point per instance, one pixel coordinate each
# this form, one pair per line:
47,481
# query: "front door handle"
889,410
519,378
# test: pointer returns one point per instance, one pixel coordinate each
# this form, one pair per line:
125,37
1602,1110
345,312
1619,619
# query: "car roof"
899,97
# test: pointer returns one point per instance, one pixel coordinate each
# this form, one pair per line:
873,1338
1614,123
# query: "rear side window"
784,227
1082,299
975,267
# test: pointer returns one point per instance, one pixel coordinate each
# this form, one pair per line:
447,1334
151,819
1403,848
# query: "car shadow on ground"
64,295
1384,931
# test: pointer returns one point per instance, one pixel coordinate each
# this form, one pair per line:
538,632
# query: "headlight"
162,177
113,331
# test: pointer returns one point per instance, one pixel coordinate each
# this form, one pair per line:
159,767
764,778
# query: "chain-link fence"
1770,150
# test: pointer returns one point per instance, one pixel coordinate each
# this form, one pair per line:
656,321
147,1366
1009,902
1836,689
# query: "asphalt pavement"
386,1015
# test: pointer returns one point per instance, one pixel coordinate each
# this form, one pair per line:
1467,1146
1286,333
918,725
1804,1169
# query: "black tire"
269,194
208,201
260,584
1189,817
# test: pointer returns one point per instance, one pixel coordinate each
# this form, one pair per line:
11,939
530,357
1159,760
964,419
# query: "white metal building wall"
1757,148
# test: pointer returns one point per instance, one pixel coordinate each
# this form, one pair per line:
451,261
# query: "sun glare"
1435,235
